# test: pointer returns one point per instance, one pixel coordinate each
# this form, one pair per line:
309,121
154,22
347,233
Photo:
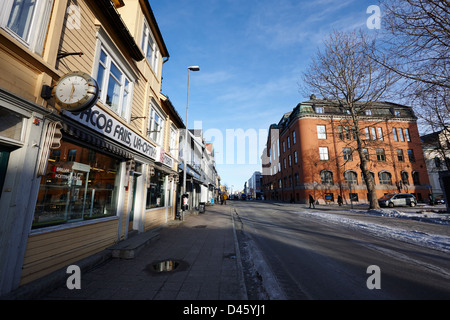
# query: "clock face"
76,91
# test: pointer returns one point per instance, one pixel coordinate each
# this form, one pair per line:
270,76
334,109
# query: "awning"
92,139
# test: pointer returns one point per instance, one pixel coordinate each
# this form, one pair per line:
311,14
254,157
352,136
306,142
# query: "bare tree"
417,41
345,72
417,44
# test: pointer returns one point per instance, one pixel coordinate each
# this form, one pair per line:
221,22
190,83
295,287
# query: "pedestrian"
340,200
311,201
221,199
225,198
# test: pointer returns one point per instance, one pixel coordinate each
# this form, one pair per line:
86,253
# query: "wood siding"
50,251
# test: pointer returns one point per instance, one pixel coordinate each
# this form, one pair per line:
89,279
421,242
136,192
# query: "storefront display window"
80,184
157,191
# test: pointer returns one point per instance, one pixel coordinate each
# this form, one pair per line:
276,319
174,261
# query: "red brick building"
312,150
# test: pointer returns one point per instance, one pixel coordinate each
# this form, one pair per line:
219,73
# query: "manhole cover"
166,266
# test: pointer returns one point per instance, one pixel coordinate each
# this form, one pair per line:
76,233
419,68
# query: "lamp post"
192,68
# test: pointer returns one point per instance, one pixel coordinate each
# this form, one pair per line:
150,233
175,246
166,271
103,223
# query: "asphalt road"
289,255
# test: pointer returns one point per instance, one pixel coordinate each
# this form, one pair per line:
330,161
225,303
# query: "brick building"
312,150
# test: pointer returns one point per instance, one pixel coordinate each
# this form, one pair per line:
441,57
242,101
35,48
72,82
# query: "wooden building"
80,170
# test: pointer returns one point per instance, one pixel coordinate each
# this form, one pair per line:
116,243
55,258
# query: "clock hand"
72,92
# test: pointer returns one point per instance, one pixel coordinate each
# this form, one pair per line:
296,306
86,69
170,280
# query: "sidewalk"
201,248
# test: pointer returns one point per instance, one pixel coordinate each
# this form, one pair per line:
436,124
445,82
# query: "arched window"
350,177
385,177
326,177
405,178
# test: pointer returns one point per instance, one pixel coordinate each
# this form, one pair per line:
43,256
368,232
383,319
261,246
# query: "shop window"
156,192
75,188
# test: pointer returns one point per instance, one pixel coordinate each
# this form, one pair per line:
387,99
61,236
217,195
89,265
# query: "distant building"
254,185
312,150
436,148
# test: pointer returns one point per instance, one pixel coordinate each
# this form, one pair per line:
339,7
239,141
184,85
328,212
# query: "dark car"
243,196
397,200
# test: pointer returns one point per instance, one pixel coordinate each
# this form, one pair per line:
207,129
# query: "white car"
397,200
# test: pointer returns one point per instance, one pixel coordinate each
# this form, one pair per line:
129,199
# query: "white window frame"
323,153
147,40
37,29
113,55
152,130
173,139
380,133
321,132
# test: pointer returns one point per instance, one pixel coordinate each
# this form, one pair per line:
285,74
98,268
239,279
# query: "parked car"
243,196
397,200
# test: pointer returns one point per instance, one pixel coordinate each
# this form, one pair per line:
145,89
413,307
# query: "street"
290,254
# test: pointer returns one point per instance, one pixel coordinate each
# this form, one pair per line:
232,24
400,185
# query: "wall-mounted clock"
76,91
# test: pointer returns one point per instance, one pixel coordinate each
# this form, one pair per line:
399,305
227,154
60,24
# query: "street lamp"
192,68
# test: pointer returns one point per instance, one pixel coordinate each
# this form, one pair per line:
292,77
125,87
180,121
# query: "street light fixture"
192,68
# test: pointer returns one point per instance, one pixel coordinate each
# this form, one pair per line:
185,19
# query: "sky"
251,55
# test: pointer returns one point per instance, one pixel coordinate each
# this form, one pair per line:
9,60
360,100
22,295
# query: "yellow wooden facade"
82,26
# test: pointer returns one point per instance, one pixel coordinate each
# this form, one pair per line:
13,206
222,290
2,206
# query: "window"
295,157
347,152
284,162
289,142
371,174
156,192
156,125
321,132
400,155
385,177
366,130
404,176
71,155
326,177
27,21
394,131
374,134
411,155
408,138
149,47
323,152
294,140
380,155
319,109
366,154
350,177
368,112
415,177
380,133
284,147
77,191
397,113
347,133
297,179
115,86
290,161
341,134
400,133
173,140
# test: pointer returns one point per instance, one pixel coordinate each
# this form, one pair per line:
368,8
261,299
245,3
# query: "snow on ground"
433,241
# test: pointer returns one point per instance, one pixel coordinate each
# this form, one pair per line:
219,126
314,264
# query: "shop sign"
164,158
98,120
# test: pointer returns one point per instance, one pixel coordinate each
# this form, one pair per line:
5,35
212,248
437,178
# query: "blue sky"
251,55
